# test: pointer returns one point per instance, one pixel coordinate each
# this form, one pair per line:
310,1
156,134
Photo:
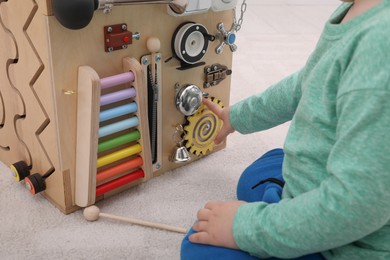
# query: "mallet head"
91,213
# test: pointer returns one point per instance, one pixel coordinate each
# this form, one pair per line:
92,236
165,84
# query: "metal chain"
241,19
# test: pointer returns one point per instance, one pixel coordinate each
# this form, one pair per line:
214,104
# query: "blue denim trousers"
261,181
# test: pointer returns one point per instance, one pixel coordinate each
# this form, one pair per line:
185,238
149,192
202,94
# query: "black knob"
74,14
35,183
20,170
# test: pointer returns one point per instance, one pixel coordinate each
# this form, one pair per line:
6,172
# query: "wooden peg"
153,45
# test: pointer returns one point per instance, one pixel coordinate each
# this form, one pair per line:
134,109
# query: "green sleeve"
350,204
273,107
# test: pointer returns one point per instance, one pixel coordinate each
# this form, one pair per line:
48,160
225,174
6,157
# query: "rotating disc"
201,130
190,43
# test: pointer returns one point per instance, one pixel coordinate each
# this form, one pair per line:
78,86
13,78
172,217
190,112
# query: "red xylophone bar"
109,186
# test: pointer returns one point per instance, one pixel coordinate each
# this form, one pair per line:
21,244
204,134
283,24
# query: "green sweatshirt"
337,151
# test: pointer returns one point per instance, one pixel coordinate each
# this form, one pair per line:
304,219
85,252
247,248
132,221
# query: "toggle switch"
222,5
193,7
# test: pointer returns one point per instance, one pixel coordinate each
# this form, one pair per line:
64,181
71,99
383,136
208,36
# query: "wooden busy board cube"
56,132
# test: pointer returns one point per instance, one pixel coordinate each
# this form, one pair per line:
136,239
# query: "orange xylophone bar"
109,186
119,169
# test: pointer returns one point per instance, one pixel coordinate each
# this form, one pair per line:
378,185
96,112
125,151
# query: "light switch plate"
222,5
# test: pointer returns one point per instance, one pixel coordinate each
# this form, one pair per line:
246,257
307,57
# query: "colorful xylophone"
116,150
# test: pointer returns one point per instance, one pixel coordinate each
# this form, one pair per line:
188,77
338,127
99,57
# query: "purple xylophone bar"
116,80
117,96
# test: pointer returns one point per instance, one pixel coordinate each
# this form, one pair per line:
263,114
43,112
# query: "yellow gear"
201,130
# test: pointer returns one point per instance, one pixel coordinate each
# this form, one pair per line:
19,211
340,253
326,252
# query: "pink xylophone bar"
117,80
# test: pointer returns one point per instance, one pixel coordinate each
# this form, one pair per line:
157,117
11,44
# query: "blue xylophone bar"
118,111
118,126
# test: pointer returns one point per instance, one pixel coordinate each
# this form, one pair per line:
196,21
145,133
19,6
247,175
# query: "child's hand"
223,114
215,224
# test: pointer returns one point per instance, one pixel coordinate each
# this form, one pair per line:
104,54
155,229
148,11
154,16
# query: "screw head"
28,186
145,61
158,58
109,29
136,36
68,92
124,27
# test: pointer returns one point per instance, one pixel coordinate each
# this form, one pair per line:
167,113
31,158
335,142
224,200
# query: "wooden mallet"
93,213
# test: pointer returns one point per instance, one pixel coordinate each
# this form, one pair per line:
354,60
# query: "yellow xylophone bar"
119,155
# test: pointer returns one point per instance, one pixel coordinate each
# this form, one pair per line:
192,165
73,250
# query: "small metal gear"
201,129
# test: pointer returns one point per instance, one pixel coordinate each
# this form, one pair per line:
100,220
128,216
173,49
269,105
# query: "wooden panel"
45,7
11,102
87,126
42,85
37,129
86,47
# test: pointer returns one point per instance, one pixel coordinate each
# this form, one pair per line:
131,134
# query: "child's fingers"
221,136
216,109
203,214
221,114
200,238
200,226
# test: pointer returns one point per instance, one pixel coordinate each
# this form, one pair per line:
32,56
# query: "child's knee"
267,169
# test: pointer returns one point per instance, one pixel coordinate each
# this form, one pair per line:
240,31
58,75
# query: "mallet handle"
144,223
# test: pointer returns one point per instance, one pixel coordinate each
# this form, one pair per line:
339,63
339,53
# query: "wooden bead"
153,44
91,213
